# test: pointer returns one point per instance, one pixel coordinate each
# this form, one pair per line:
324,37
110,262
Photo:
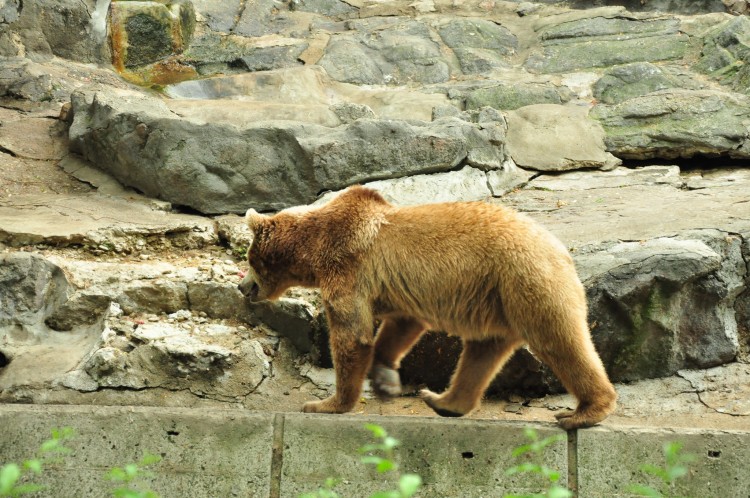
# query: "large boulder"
664,304
551,137
31,290
480,45
726,54
578,41
219,168
639,78
209,360
677,123
72,29
399,54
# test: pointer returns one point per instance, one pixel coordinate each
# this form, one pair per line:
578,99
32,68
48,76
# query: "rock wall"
536,104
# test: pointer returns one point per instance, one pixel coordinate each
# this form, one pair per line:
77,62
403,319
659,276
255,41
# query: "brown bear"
483,272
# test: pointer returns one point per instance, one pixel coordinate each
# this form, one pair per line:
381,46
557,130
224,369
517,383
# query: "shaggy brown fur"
483,272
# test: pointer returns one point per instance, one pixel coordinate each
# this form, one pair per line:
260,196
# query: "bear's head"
272,257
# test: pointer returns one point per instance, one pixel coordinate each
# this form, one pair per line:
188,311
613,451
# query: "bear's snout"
249,288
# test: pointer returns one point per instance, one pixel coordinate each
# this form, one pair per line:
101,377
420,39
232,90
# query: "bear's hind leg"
395,338
479,363
578,366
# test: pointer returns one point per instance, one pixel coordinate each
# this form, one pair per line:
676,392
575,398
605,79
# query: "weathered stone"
299,320
466,184
304,94
330,8
242,167
480,45
262,18
368,150
164,355
239,167
550,137
616,178
146,32
677,123
31,289
348,113
266,58
511,97
726,54
219,16
737,7
157,296
70,29
659,306
80,310
633,80
401,54
21,78
217,300
601,42
676,6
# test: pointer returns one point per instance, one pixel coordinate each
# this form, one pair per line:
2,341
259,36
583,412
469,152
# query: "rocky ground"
623,132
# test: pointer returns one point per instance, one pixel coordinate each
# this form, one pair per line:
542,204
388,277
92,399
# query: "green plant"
130,473
381,454
326,491
408,484
239,252
51,451
675,467
534,450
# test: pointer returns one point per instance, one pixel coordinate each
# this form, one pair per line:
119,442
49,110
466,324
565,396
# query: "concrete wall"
226,453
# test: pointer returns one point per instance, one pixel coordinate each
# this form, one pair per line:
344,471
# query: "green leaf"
49,446
551,440
524,467
371,459
384,466
530,434
520,450
676,472
559,492
131,470
370,448
549,473
149,459
376,430
385,494
332,482
117,474
25,489
9,475
409,484
644,491
390,442
655,471
34,465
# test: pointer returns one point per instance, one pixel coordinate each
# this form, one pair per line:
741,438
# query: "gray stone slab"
609,461
92,219
466,458
221,453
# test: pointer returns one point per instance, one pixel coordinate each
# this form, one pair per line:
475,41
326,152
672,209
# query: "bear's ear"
254,219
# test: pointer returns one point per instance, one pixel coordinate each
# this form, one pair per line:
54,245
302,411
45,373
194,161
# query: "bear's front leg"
351,339
351,363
